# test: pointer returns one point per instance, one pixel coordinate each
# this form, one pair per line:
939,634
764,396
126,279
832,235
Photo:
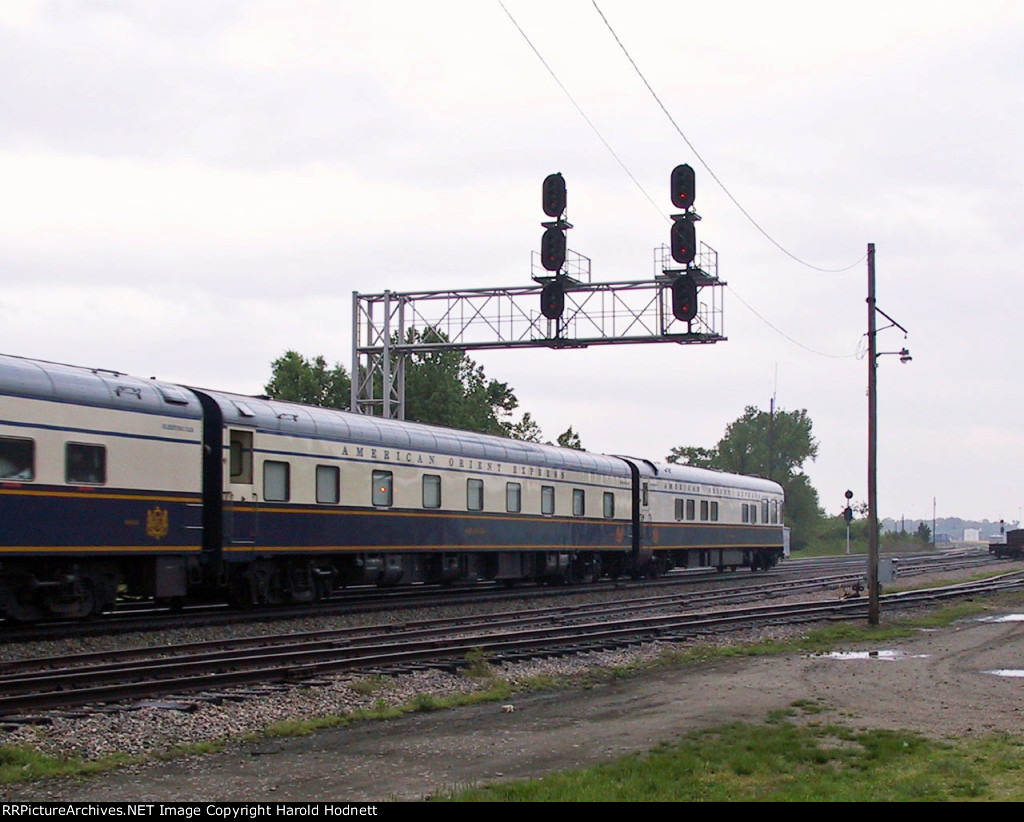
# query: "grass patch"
23,763
478,665
784,762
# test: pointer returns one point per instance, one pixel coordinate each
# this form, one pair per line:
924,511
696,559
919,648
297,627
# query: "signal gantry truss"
388,327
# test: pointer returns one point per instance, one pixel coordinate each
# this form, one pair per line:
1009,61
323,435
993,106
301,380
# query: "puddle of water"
1005,618
1014,672
884,655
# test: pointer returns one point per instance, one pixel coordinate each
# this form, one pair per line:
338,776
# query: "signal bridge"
561,310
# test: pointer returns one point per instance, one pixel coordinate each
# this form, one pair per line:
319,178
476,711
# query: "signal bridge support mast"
562,309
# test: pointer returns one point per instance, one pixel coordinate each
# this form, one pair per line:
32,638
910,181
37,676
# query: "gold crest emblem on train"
157,522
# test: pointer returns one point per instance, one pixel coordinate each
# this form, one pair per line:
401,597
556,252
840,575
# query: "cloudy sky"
189,189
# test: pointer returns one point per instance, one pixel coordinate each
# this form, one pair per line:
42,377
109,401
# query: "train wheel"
75,600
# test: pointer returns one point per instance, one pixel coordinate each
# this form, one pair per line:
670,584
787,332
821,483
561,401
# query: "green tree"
773,445
296,379
923,534
526,429
441,388
694,455
570,439
448,388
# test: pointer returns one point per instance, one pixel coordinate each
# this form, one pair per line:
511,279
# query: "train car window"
691,510
764,511
85,463
579,502
775,512
241,457
746,513
513,497
17,458
328,484
782,507
547,499
645,491
680,507
431,491
609,505
704,510
475,494
714,512
276,481
753,512
383,485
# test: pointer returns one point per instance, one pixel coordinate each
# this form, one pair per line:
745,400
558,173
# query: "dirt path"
938,684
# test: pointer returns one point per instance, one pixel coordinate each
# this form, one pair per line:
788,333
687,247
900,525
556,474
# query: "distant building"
972,535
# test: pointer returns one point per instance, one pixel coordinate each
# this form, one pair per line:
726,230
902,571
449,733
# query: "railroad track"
142,616
186,672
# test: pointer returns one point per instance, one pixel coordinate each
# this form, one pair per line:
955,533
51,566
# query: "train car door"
240,500
646,522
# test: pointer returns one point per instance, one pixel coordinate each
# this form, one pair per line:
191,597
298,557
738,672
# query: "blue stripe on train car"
351,530
100,521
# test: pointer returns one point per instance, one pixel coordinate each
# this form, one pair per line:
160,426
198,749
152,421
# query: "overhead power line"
704,163
583,114
643,191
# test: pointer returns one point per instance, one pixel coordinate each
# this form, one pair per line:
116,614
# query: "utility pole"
873,355
873,607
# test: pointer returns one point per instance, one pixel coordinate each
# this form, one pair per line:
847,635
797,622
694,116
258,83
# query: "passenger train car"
111,484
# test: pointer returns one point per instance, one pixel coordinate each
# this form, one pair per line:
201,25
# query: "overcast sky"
189,189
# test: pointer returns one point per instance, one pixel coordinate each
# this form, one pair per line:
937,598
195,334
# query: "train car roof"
99,387
332,424
706,476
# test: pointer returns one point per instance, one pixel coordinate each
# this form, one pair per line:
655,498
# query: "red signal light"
684,298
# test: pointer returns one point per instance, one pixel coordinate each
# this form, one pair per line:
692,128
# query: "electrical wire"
582,113
778,330
643,191
704,163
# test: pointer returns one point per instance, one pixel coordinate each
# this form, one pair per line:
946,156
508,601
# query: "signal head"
683,241
683,186
553,195
684,298
552,300
552,249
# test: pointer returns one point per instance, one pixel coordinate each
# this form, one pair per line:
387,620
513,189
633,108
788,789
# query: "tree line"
441,388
